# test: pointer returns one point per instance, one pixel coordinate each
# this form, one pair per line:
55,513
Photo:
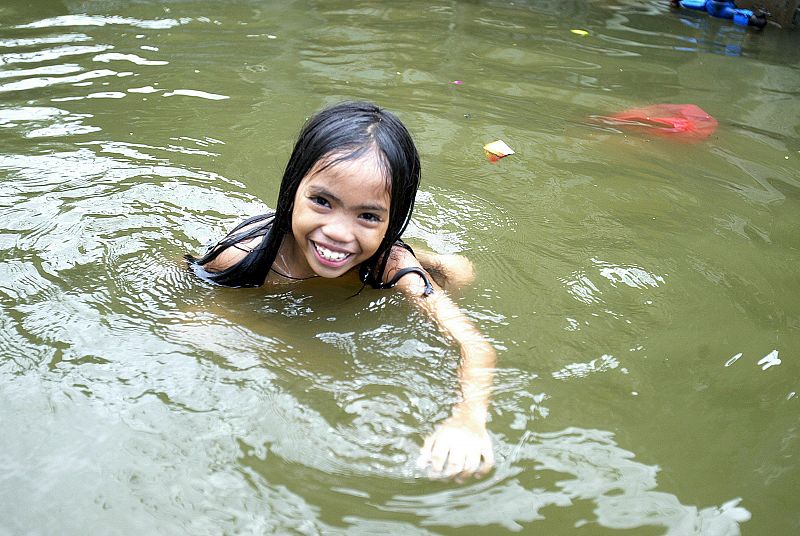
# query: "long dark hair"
342,132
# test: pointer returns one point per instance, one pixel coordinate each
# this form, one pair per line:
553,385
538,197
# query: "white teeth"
327,254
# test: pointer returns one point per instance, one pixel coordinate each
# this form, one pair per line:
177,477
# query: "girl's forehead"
365,172
369,159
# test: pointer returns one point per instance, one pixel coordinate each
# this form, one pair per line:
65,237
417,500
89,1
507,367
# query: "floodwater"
642,293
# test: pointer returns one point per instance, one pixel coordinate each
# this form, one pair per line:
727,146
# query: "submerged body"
341,215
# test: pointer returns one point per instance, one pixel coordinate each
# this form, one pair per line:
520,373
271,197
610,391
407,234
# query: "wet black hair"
345,131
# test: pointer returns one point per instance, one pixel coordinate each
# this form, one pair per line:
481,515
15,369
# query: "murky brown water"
642,293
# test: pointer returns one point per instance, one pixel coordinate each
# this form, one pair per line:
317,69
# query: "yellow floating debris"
582,33
497,150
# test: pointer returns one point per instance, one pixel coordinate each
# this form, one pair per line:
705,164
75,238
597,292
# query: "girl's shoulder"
238,243
233,254
400,256
449,271
405,271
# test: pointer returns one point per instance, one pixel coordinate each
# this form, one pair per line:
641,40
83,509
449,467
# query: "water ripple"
133,58
45,81
196,93
63,68
571,465
20,353
99,20
283,410
51,54
48,40
449,221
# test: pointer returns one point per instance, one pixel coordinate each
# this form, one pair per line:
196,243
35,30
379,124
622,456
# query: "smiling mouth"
330,256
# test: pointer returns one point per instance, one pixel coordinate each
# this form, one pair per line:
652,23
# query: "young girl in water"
345,199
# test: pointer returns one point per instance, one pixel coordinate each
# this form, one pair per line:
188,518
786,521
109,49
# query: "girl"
346,197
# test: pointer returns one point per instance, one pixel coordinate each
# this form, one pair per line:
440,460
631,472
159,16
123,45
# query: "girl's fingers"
488,462
456,460
451,454
488,456
472,462
439,455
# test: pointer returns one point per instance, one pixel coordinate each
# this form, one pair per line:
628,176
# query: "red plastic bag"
686,122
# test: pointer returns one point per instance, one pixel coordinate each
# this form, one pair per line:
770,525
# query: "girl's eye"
370,217
317,200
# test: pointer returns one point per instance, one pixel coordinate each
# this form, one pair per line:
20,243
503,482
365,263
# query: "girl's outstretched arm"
460,446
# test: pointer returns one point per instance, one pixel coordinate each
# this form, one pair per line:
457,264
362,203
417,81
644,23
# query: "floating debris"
733,360
582,33
769,360
497,150
685,122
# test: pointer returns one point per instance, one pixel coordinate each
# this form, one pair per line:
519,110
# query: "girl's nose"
338,230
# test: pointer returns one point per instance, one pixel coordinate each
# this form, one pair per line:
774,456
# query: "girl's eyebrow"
317,190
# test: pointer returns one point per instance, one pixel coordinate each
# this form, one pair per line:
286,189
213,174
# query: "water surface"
642,293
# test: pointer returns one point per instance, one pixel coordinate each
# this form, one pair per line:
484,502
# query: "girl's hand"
459,447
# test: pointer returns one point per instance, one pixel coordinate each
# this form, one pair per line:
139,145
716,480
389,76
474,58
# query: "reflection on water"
571,466
642,294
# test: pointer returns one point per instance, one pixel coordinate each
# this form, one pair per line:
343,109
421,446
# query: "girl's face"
340,216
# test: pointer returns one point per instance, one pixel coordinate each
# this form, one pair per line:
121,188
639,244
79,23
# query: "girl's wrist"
474,413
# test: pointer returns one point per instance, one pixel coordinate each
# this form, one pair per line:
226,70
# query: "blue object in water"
722,10
694,4
725,9
742,16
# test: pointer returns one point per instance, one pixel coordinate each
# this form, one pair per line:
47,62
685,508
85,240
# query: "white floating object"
497,150
733,360
769,360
